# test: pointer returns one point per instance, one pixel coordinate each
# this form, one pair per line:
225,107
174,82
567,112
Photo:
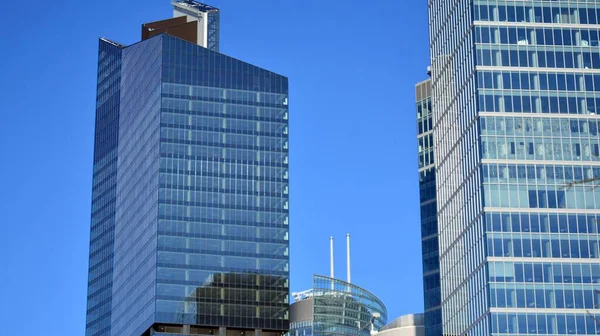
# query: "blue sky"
352,67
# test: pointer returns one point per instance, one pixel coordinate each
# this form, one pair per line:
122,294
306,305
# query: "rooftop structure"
336,307
405,325
208,18
194,6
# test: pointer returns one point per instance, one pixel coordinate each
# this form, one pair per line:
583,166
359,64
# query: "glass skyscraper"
429,235
516,103
190,209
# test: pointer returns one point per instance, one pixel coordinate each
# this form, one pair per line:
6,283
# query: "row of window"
220,124
426,176
426,158
102,258
429,226
557,149
203,74
569,297
577,273
106,167
427,191
98,324
233,185
222,231
109,61
103,186
100,201
540,12
170,195
227,139
226,215
543,324
224,169
102,220
424,111
433,297
216,293
105,240
237,310
429,210
220,107
537,102
433,322
219,245
431,262
216,109
282,147
553,81
542,222
425,142
540,126
200,277
538,174
109,77
537,56
540,197
205,261
243,96
99,274
537,36
99,287
256,156
543,246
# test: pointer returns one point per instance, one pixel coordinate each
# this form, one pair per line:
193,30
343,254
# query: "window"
533,199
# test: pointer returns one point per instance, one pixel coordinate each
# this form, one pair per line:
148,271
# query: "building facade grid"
516,135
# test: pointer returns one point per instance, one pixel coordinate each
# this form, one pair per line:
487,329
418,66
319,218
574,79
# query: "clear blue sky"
352,67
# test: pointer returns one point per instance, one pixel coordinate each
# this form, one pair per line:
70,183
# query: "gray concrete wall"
302,310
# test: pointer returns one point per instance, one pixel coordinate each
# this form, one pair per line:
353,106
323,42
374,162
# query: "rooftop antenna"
331,274
348,258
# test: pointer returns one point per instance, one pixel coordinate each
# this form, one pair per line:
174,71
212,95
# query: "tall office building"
189,227
432,318
516,103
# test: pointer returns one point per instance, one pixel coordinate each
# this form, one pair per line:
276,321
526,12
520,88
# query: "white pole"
331,257
348,258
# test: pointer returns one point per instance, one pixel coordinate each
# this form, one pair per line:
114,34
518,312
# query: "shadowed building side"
175,27
428,206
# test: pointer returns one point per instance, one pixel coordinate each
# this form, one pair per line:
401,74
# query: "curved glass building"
336,307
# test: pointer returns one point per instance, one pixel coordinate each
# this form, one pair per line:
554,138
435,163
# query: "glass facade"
429,233
190,216
223,198
104,181
339,308
517,161
134,278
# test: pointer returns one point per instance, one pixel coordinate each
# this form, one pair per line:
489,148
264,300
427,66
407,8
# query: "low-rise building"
406,325
336,307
